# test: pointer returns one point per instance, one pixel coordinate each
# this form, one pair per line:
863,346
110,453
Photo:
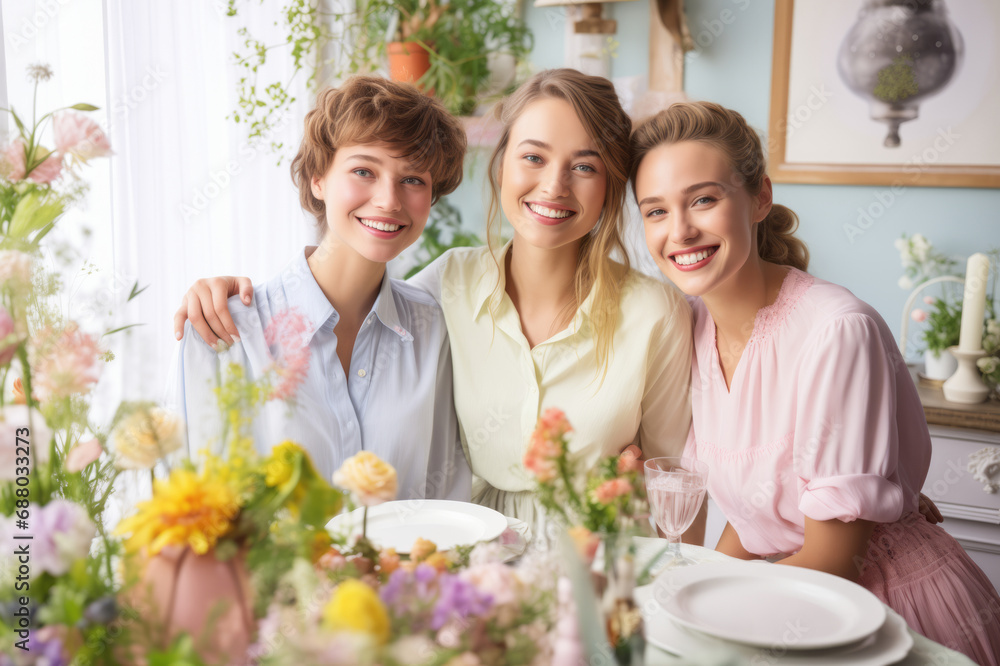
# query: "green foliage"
461,35
262,106
180,653
443,231
944,324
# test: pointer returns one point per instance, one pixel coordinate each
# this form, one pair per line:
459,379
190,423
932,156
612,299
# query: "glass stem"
674,547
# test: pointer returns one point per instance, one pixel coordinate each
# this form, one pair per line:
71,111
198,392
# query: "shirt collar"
304,293
486,285
385,310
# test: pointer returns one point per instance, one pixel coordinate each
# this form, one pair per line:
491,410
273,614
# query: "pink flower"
542,458
8,338
64,363
82,455
48,170
287,331
495,579
15,268
554,423
547,445
78,135
611,490
918,315
930,300
12,161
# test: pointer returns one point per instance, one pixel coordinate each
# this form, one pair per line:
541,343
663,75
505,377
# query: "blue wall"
734,69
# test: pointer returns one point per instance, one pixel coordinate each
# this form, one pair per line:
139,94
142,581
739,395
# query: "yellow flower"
186,510
371,479
279,467
422,549
355,607
145,436
438,560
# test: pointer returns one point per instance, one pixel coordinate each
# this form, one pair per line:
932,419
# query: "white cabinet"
972,514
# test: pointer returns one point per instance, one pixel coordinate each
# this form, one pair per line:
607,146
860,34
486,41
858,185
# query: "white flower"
901,244
13,418
145,436
905,282
988,365
921,247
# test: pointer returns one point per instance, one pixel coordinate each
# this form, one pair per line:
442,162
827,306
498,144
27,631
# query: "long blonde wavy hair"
728,131
596,104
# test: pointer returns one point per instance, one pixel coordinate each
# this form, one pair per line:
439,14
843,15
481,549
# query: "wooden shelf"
938,411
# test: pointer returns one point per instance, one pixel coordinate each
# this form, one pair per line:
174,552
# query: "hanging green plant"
262,105
460,37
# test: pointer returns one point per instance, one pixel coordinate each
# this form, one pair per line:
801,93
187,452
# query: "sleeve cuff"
849,498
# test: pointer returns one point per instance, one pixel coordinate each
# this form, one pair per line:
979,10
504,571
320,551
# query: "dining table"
924,652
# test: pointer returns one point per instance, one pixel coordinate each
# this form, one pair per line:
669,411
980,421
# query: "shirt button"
362,373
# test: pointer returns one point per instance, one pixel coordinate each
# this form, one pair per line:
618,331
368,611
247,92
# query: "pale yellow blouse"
502,385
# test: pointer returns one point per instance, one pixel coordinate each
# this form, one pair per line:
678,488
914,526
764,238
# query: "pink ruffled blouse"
822,418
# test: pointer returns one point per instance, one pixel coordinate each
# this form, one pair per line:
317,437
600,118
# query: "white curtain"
191,197
185,194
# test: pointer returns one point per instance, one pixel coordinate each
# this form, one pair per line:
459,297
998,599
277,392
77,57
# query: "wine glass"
676,489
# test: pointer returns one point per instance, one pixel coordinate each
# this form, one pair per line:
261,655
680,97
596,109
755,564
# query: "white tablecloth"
925,652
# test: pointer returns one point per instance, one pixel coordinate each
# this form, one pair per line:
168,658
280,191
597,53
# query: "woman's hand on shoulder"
929,510
205,306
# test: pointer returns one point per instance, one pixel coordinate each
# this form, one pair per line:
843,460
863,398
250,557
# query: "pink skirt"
922,573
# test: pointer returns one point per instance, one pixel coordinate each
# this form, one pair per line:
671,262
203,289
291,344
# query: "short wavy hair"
370,109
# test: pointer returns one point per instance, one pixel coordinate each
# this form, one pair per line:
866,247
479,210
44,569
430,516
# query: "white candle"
974,304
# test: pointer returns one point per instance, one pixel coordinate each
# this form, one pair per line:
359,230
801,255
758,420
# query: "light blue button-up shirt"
396,401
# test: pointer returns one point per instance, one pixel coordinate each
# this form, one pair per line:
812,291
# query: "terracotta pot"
408,61
182,592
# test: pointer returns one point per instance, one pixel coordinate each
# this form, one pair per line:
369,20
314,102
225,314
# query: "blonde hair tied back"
728,131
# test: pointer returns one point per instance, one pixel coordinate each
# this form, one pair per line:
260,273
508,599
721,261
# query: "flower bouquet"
357,604
220,530
606,506
58,586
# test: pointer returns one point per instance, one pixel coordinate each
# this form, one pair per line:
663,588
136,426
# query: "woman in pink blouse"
802,406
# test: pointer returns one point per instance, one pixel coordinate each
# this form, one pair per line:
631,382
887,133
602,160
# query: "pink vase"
184,592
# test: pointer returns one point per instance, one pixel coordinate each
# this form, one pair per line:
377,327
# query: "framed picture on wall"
886,92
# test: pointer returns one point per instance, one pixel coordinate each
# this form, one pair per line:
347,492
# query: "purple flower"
47,644
424,573
394,587
458,599
63,533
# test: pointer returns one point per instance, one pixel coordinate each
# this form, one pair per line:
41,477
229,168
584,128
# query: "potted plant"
460,41
923,264
925,267
447,47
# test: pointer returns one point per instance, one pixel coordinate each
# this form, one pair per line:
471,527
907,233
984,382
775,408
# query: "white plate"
770,606
891,643
448,524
